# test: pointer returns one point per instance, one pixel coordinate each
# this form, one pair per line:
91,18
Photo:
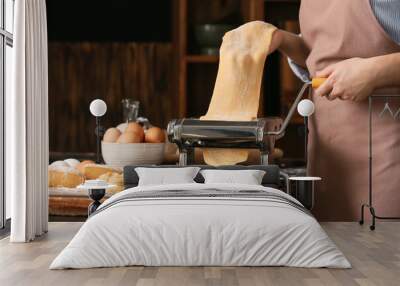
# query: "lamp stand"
96,195
99,134
305,139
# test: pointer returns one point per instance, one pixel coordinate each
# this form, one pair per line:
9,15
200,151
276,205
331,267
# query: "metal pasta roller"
191,133
261,134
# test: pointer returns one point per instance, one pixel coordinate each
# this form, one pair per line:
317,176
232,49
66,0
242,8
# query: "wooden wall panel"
81,72
214,11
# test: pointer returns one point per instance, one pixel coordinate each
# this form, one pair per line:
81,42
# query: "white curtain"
27,123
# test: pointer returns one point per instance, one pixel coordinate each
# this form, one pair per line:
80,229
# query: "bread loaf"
82,165
62,176
94,171
113,178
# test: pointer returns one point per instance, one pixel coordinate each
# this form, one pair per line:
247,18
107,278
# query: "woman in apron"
355,45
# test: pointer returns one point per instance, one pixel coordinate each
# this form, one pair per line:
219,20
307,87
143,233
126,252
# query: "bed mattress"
201,225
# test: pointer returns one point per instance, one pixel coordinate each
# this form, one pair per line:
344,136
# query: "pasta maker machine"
191,133
261,133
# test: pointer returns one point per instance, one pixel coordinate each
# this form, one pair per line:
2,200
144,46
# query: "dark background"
113,20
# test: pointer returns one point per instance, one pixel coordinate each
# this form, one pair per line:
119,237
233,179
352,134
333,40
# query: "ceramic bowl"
118,154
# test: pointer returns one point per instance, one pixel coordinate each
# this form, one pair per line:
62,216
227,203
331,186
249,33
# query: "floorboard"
375,257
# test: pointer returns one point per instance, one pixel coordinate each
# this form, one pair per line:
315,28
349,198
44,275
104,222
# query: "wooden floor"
375,257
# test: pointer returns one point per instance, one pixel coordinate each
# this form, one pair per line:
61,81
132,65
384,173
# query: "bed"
198,224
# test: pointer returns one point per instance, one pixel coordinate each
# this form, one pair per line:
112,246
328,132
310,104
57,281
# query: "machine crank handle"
314,83
317,82
291,112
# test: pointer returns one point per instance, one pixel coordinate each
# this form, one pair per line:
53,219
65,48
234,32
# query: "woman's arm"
386,70
355,79
291,45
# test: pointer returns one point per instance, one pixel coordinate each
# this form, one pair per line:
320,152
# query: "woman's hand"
351,79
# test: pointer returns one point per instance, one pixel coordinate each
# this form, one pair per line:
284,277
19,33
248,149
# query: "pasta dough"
236,93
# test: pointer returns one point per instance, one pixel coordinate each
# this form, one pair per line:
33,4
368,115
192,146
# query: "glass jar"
130,109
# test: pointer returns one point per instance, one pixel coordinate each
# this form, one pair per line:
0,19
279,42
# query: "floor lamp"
306,108
98,108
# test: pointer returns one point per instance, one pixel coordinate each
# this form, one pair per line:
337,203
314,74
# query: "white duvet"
200,231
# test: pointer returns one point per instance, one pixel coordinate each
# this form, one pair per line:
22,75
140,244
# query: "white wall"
8,85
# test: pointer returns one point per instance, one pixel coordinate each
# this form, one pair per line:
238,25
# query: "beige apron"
336,30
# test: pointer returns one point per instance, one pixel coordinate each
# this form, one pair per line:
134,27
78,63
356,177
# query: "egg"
121,127
129,137
137,128
155,135
111,135
81,165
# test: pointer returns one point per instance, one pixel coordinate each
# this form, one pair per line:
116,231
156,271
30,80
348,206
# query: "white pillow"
166,176
247,177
